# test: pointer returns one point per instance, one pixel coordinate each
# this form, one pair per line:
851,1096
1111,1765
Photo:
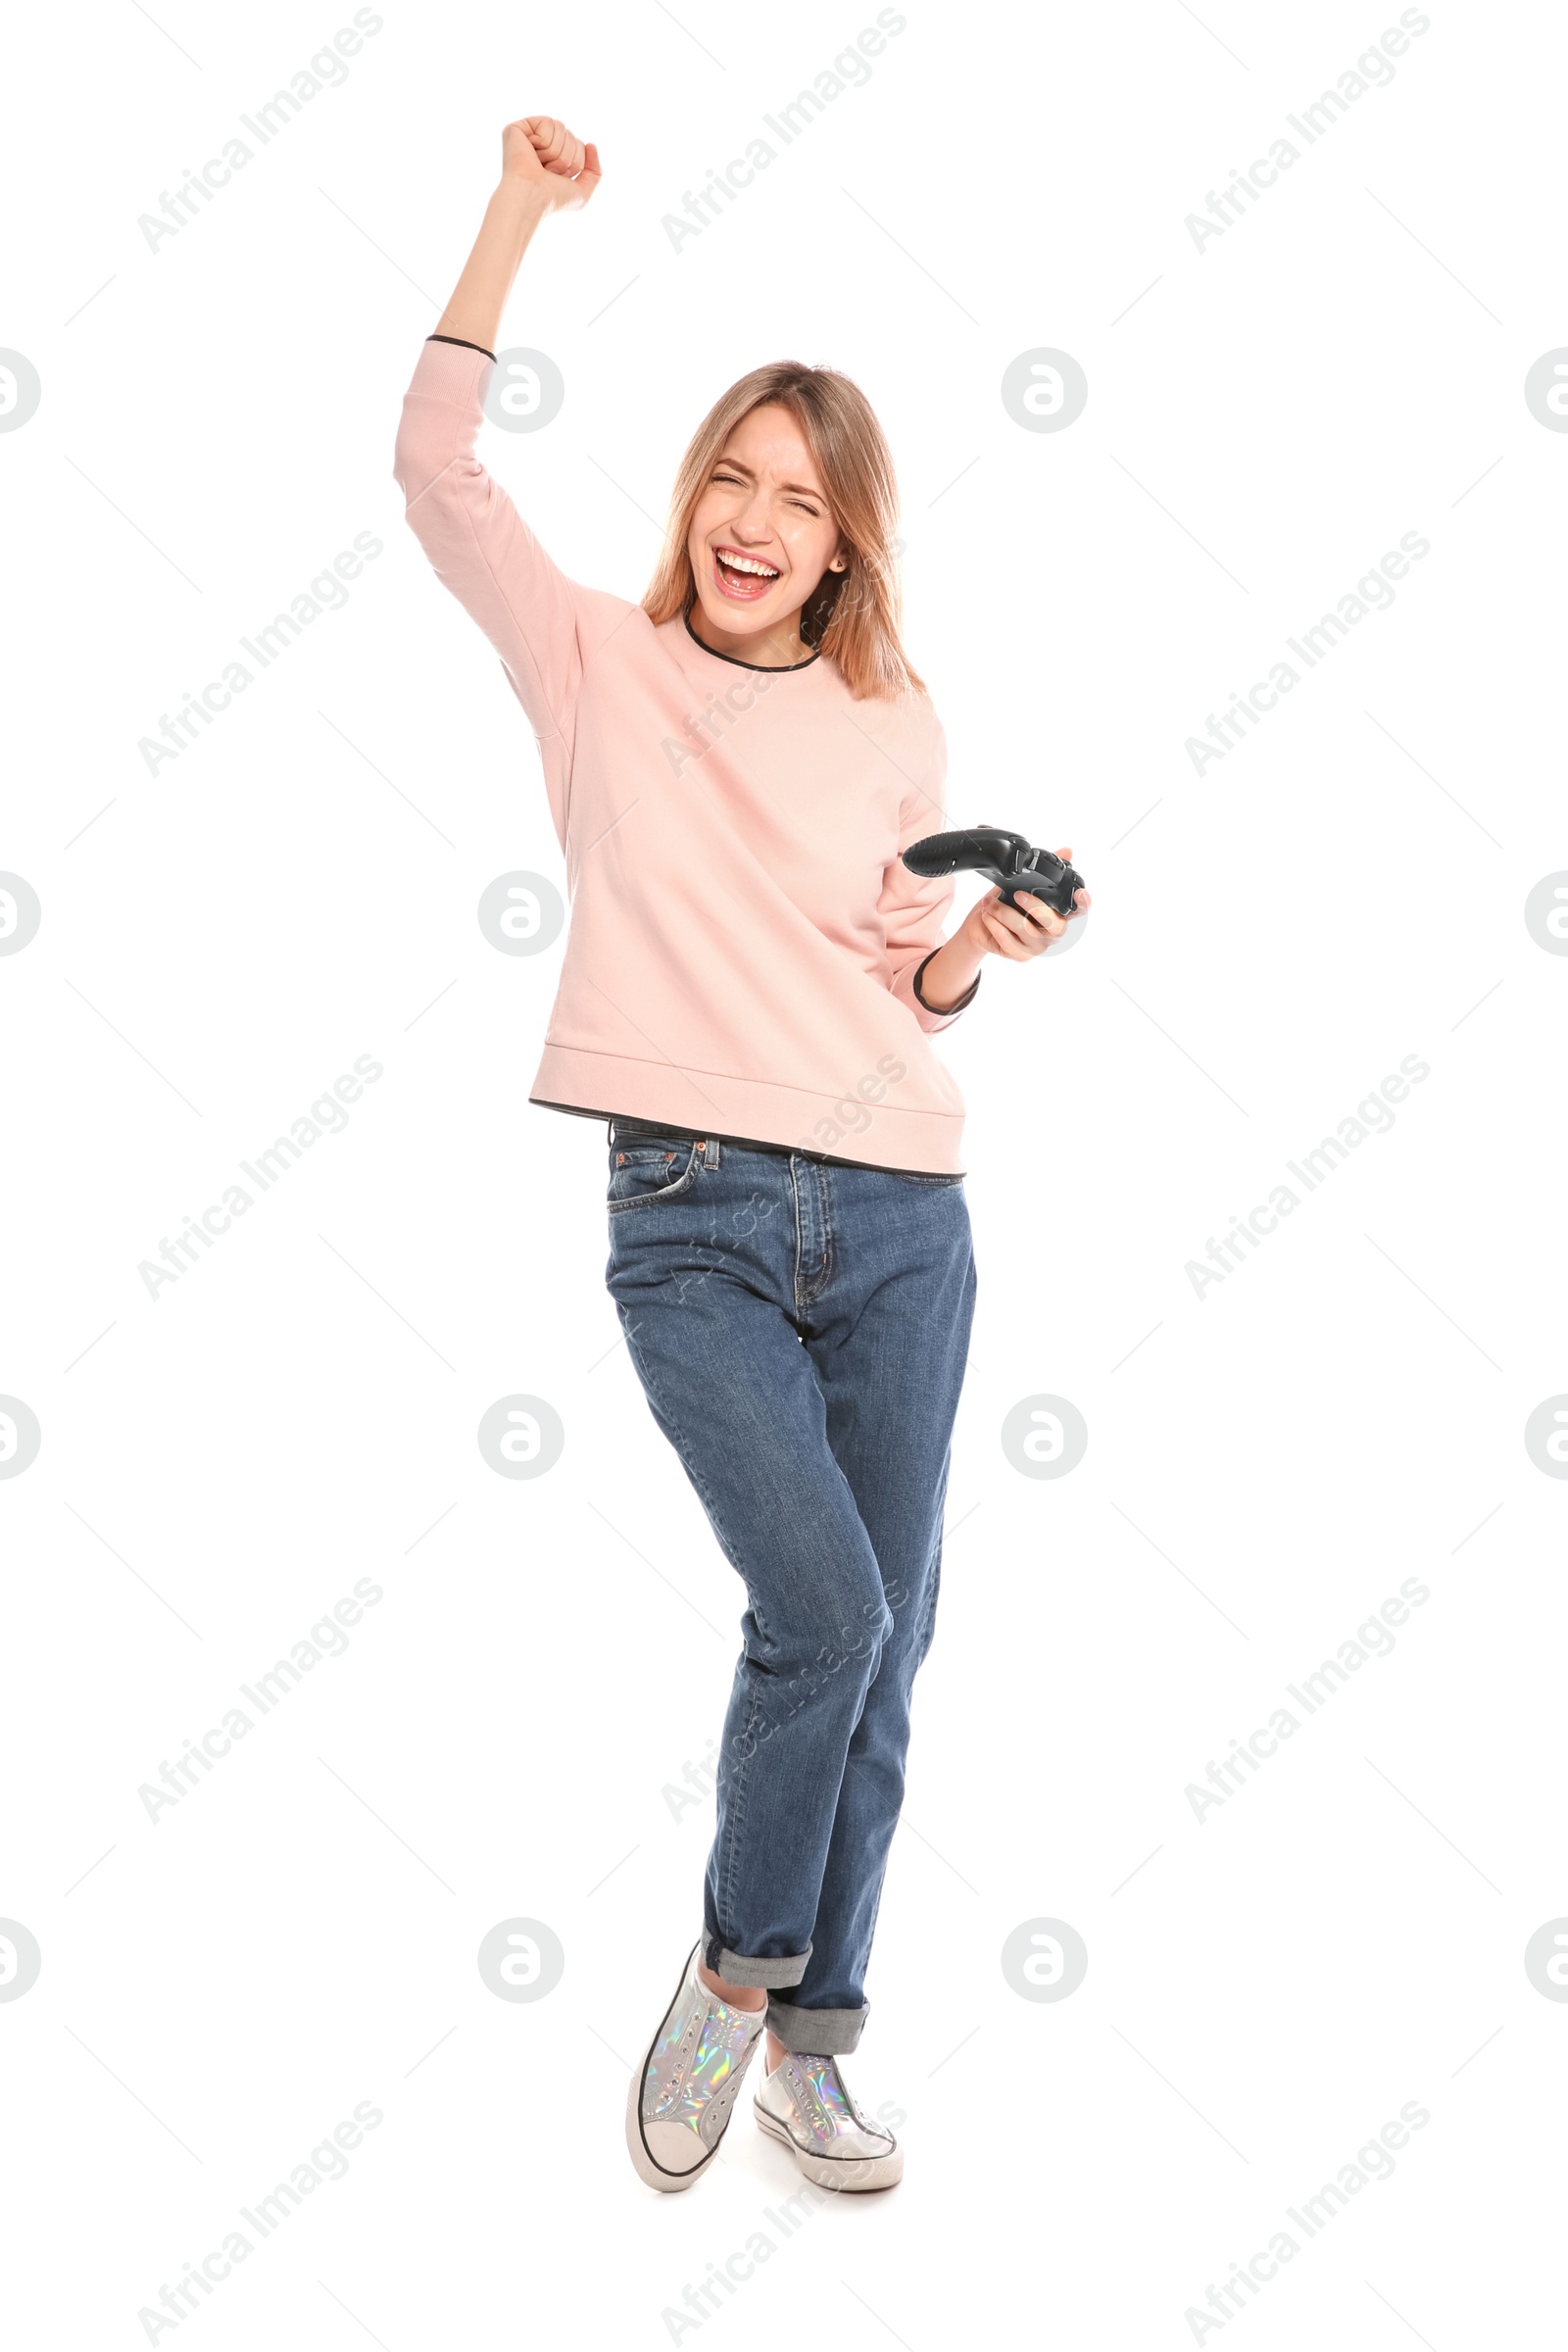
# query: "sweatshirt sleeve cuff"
929,1019
462,344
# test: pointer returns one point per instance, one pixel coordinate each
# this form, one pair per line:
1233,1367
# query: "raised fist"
550,159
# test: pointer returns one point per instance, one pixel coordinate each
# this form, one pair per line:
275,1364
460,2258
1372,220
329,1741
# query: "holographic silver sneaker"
806,2103
683,2094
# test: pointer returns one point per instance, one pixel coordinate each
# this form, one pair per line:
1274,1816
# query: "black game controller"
1006,858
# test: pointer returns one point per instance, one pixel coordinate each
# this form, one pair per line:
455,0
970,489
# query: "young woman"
750,983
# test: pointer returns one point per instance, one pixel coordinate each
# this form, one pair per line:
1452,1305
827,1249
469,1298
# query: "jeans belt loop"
710,1149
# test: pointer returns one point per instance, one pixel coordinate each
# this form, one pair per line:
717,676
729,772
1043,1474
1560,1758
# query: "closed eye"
805,505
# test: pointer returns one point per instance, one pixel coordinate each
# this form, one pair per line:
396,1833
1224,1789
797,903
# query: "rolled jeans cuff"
736,1969
826,2032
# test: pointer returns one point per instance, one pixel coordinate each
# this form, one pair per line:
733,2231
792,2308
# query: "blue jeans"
801,1332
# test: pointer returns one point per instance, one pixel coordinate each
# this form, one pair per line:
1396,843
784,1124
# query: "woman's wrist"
951,972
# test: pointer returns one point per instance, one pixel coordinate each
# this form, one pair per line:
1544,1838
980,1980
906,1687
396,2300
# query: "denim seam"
934,1564
800,1238
807,1295
928,1629
828,1235
738,1783
736,1821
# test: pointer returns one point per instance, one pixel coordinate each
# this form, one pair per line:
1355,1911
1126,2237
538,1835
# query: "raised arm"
544,169
481,548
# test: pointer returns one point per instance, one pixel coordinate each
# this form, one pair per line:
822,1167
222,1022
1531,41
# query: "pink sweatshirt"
744,936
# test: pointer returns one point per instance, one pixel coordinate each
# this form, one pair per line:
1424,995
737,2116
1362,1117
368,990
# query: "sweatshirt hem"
902,1139
741,1142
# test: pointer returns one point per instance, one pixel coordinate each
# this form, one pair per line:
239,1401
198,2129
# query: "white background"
1266,1465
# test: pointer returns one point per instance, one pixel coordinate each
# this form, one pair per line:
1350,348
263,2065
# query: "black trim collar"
776,670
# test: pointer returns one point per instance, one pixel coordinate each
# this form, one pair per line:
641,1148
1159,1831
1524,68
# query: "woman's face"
763,533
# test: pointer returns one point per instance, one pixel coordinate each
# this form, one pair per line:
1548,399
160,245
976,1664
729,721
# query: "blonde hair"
853,617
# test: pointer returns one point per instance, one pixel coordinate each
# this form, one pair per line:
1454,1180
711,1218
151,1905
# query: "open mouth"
741,577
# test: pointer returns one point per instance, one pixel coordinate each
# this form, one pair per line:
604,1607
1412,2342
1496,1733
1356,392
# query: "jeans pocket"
649,1171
